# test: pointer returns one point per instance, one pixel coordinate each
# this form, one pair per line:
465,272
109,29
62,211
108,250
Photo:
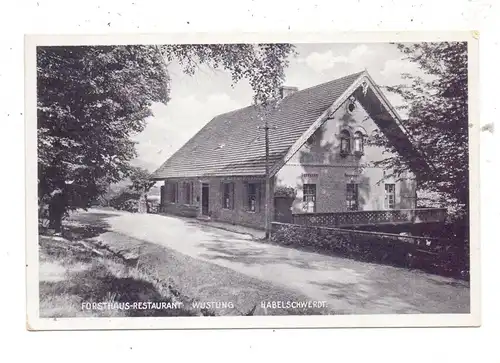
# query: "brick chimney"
287,90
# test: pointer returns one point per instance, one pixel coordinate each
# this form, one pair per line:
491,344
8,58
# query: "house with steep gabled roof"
321,167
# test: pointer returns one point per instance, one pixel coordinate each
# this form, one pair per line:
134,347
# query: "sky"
195,100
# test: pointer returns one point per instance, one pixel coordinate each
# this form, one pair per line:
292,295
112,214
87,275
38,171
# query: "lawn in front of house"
76,272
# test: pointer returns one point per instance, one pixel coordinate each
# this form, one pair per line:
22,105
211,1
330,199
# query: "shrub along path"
213,264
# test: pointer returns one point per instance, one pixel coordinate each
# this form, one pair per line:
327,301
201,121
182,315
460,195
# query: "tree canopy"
437,108
92,99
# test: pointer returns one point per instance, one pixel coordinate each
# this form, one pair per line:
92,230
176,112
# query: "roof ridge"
296,92
233,111
330,81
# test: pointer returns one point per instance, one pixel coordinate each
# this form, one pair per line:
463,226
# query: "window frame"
188,193
174,193
352,196
229,197
345,142
255,194
388,194
309,195
358,144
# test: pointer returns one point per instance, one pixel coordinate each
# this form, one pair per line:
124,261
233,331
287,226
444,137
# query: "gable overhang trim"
397,119
385,102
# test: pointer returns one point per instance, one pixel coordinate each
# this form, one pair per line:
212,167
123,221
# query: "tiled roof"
232,144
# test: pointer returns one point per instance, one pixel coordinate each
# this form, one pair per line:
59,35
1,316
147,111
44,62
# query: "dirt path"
217,264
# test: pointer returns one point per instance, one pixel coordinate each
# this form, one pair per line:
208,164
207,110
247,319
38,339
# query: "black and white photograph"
251,182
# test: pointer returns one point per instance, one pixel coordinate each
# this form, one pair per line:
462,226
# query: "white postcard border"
34,322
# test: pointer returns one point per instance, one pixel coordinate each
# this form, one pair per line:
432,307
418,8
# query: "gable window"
173,193
352,196
252,197
188,192
228,195
390,196
351,107
345,142
358,143
309,198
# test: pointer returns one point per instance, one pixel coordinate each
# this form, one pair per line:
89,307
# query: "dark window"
227,195
351,107
252,196
345,142
309,198
188,192
173,193
390,196
358,143
352,196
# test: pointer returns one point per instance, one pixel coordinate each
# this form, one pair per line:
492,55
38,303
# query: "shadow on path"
86,225
253,253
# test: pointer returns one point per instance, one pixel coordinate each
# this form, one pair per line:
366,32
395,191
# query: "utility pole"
268,197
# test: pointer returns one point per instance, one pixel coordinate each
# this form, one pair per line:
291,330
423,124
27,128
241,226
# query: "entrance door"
283,209
204,199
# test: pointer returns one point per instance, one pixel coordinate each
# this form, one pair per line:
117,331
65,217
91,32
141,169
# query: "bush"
127,200
131,205
282,191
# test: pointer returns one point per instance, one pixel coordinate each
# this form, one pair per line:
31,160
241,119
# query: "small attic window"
351,104
351,107
220,146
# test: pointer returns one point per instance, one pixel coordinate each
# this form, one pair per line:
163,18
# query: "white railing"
371,217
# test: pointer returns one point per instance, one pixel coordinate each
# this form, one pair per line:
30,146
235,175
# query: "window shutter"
182,192
258,197
221,191
245,195
192,193
232,196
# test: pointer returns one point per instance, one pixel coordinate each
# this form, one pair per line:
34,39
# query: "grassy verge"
94,262
76,273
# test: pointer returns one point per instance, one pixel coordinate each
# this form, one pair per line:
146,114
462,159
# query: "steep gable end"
367,93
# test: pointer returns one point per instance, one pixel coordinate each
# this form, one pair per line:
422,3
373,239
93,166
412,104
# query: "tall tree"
437,108
92,99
